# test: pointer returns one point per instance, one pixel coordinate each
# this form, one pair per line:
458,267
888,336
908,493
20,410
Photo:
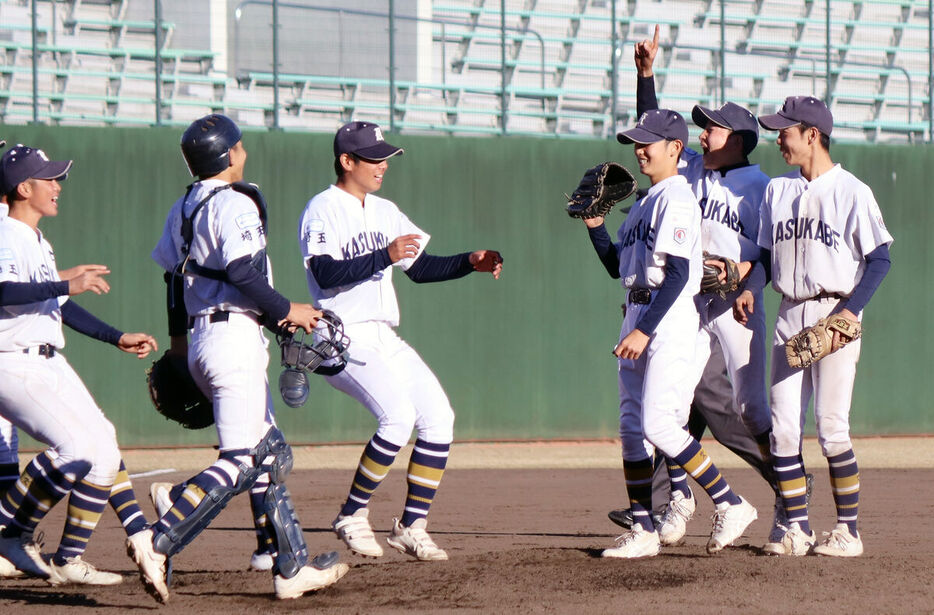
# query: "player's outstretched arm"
487,260
644,55
140,344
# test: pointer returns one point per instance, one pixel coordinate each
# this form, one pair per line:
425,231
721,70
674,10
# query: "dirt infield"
528,541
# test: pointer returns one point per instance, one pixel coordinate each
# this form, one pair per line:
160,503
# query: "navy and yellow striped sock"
426,466
41,486
695,461
86,504
123,501
844,483
638,475
793,487
9,473
372,469
265,543
678,478
186,497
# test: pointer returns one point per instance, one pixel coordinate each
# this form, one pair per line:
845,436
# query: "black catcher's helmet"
206,144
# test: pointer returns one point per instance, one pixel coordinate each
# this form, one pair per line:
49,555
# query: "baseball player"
729,191
826,249
9,444
39,391
219,285
658,260
350,240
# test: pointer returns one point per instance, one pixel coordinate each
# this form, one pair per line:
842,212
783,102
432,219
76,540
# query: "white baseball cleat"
675,521
261,561
779,526
160,494
24,553
80,572
637,542
8,570
357,534
796,542
308,579
415,541
839,542
151,564
729,523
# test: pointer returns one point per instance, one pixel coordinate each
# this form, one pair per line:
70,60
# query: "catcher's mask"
330,345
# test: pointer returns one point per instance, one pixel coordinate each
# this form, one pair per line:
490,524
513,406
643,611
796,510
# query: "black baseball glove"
175,394
601,187
711,283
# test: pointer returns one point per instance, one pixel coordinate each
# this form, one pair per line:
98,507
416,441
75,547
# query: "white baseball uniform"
655,390
384,373
9,438
227,358
730,228
43,395
819,233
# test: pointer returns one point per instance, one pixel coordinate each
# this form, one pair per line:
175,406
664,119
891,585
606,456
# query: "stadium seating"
96,64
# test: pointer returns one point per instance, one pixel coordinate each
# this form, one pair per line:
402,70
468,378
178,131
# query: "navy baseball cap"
800,110
21,163
365,140
656,125
731,116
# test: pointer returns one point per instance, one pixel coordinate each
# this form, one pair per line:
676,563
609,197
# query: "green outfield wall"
527,356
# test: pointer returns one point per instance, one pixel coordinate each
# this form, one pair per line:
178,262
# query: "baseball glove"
601,187
814,343
175,394
710,282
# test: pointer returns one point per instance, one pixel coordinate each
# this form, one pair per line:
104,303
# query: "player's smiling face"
658,160
363,175
719,150
793,143
43,195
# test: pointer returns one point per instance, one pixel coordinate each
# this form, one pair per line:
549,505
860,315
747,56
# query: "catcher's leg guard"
180,534
291,550
275,455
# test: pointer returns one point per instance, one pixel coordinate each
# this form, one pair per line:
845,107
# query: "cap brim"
380,151
55,169
702,116
2,143
776,122
638,135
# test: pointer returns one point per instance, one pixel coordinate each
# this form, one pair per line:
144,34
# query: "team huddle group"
816,233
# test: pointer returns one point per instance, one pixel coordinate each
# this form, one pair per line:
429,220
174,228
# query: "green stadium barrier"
527,356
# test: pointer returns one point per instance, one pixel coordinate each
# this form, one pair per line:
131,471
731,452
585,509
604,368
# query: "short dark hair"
339,168
824,139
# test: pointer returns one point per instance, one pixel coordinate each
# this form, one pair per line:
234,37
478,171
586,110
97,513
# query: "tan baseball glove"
814,343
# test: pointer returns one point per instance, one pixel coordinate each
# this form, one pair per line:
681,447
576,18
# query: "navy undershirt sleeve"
249,281
429,268
761,272
330,273
21,293
676,276
606,250
645,95
86,323
878,263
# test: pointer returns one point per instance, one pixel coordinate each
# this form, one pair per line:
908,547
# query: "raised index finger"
655,38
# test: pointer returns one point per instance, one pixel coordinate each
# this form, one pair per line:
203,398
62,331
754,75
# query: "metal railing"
511,34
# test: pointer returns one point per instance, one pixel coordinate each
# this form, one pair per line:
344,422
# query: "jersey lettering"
717,211
641,232
364,243
807,228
